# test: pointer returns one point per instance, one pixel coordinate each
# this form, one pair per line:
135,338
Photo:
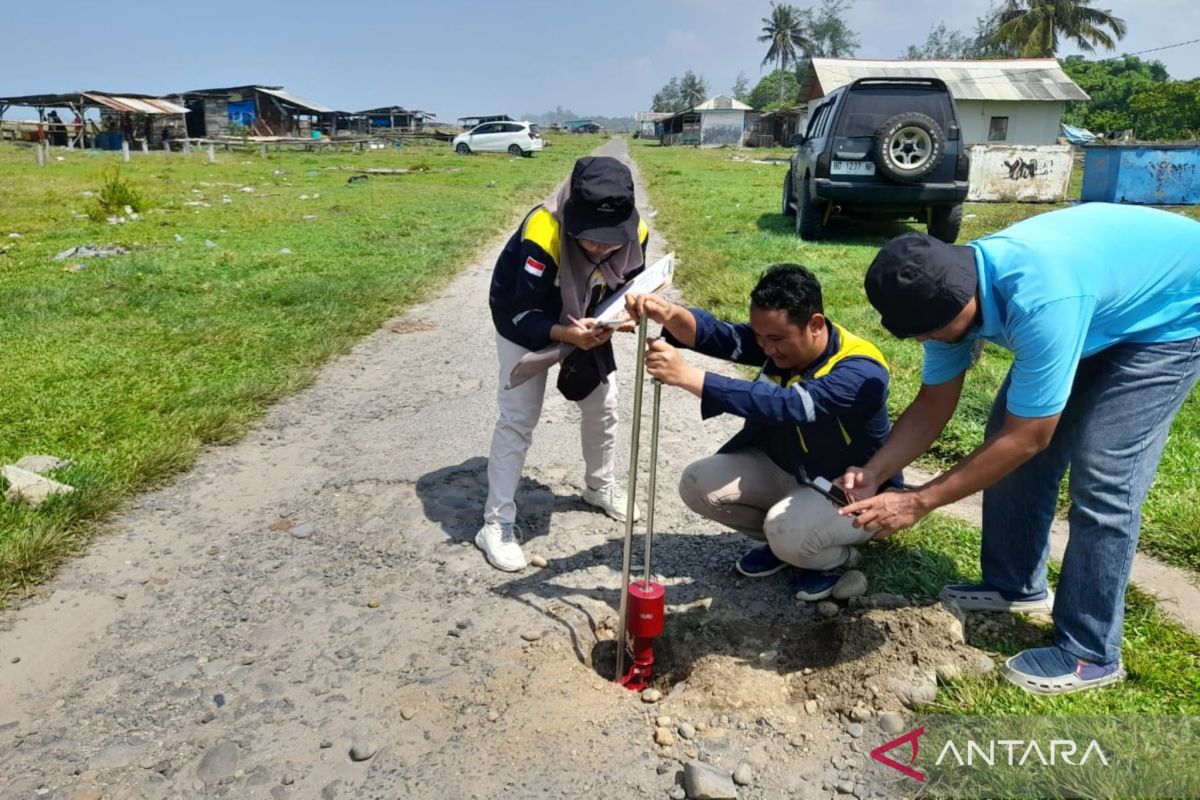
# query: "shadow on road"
454,496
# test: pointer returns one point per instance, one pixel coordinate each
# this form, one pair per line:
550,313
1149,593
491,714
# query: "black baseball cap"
600,206
918,283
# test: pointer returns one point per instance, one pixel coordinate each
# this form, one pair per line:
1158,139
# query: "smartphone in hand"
834,493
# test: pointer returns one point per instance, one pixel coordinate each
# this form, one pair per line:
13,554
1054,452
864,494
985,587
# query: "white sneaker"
612,500
501,543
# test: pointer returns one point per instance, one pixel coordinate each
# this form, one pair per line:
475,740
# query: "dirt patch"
409,326
869,658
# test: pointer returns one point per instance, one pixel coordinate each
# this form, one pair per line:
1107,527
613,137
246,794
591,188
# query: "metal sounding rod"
653,481
631,502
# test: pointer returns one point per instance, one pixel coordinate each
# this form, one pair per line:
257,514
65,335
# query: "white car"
514,138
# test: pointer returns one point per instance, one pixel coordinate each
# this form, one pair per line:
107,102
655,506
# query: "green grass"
1163,659
722,218
130,365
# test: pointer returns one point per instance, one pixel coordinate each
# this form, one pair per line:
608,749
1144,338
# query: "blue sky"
455,57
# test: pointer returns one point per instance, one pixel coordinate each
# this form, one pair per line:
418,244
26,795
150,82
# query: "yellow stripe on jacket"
543,230
849,346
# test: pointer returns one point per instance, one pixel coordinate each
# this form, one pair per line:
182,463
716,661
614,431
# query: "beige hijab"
574,272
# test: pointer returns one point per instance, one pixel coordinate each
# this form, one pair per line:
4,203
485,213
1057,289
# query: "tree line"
1126,92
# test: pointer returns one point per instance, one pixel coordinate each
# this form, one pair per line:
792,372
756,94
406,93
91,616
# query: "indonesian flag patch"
534,267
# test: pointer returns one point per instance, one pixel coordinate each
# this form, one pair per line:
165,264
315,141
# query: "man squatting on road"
1100,306
818,405
562,261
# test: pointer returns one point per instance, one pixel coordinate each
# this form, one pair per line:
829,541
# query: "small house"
715,122
394,119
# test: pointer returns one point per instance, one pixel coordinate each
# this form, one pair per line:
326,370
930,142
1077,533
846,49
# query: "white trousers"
520,409
747,491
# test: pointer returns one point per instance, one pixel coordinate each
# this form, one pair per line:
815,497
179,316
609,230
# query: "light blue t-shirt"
1064,285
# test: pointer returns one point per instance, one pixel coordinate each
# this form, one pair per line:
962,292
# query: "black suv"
882,148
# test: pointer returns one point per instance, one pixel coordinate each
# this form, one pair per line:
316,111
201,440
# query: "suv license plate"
852,168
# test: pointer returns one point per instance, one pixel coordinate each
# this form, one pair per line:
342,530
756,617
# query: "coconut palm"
784,29
693,90
1034,26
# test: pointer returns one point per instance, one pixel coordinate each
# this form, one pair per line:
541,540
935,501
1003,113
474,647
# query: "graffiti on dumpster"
1171,171
1022,170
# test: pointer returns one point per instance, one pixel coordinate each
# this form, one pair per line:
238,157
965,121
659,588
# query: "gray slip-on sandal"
1052,671
983,597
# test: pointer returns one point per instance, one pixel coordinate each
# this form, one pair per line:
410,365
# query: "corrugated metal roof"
299,102
1039,79
719,103
722,103
384,110
194,93
136,105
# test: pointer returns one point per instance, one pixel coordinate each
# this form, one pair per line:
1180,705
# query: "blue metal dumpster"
1160,175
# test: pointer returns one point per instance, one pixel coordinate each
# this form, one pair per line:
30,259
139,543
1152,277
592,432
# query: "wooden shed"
394,119
256,110
127,116
479,119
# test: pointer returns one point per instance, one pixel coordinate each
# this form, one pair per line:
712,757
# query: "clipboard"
651,280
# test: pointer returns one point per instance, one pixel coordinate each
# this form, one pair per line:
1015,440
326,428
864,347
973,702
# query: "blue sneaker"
759,563
817,584
985,597
1052,670
812,584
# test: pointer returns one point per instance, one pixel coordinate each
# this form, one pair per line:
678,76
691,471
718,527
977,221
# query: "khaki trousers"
520,410
748,492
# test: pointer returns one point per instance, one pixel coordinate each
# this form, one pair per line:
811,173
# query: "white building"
715,122
648,121
1017,101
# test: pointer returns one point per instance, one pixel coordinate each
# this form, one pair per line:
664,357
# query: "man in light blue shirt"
1100,306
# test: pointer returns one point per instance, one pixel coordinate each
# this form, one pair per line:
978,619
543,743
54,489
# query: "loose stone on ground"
704,782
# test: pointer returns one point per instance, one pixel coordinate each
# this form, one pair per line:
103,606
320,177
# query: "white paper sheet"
654,278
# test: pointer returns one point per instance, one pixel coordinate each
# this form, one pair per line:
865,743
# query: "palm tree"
693,90
1034,26
784,29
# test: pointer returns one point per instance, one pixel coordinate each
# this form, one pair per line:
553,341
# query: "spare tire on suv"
908,146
